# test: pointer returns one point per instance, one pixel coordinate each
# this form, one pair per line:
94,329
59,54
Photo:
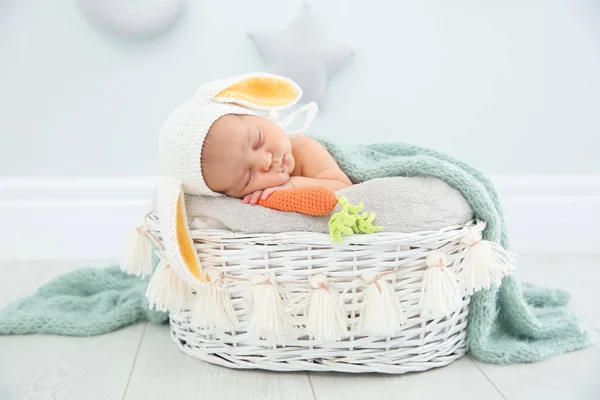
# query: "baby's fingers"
255,197
247,198
266,193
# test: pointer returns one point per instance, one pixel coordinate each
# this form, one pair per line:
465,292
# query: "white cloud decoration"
133,19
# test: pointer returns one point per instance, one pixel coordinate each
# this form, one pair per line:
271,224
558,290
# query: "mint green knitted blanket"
513,323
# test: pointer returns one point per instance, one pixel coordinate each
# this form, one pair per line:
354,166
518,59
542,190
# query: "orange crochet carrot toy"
314,200
319,200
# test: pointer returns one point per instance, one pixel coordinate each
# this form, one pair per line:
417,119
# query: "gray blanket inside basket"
401,204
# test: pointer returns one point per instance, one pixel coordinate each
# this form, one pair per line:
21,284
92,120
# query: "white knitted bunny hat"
180,150
183,134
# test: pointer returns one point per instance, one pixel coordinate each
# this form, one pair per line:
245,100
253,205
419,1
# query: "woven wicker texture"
293,258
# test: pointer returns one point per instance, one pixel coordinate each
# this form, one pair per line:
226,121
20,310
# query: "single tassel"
440,291
381,312
166,291
267,318
212,307
483,263
326,319
137,258
504,262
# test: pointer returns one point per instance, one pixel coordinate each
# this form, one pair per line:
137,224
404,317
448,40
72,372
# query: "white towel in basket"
401,204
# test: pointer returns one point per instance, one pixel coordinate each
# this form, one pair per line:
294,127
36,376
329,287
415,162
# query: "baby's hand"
254,197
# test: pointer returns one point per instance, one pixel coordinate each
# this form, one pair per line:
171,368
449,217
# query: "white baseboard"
89,218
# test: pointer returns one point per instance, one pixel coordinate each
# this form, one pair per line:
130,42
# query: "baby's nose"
267,162
276,163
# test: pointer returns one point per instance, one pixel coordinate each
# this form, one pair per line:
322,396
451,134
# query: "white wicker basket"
293,258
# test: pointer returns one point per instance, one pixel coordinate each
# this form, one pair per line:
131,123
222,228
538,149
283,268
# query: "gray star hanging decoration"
302,54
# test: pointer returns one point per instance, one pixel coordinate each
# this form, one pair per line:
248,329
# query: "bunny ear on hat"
257,91
179,247
179,271
263,92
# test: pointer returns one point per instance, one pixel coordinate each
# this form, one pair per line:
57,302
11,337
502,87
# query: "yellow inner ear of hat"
184,240
261,91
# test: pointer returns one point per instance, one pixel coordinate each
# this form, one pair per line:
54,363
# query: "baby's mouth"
282,165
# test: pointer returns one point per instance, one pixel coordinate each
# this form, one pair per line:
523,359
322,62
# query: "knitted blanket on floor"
513,323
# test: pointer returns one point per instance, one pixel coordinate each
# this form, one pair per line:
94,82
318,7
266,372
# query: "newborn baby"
250,157
219,142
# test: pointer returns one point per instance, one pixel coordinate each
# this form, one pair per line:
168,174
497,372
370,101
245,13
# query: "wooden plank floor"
141,363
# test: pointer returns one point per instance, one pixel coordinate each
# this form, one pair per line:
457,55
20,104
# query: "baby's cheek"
270,180
278,180
284,178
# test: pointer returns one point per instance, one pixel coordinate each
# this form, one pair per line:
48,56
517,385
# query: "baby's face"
246,153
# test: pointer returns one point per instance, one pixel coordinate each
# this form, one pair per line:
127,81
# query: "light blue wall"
511,86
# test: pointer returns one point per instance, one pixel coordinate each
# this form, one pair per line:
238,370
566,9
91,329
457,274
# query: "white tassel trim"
212,307
504,263
484,263
326,318
137,258
381,312
267,318
440,291
166,291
